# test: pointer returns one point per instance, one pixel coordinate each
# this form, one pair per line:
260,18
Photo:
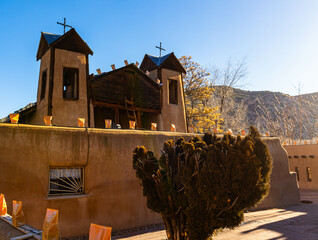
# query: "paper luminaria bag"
3,205
173,128
154,126
132,124
108,123
48,120
14,117
17,214
98,232
50,229
243,133
81,122
190,130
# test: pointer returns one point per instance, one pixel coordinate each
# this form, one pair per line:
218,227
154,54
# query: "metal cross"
64,24
160,49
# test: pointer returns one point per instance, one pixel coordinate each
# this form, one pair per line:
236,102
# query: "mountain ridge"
280,114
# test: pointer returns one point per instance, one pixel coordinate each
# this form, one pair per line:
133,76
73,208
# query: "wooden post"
117,116
138,120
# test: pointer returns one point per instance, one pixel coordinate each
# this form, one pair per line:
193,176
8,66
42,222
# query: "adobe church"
152,93
86,173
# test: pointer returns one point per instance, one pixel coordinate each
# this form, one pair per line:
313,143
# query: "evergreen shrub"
204,185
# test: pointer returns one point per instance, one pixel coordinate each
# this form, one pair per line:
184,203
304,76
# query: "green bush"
205,184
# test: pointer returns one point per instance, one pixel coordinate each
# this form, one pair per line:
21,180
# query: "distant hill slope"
278,113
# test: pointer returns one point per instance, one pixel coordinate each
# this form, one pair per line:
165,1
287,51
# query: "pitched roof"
128,81
158,60
30,108
169,61
51,37
69,41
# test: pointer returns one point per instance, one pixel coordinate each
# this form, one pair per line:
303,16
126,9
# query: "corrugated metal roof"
51,37
159,60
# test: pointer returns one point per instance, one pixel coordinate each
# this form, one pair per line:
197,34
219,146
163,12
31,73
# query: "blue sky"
278,38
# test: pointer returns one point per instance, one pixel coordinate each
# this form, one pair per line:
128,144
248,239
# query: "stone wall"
113,196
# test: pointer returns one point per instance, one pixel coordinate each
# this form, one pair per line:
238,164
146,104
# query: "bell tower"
63,79
167,70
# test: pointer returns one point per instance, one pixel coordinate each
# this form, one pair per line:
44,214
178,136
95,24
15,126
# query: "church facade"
151,93
86,173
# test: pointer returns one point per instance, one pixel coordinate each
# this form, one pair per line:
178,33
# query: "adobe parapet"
111,193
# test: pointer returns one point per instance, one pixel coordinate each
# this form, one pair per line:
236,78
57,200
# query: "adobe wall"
304,156
66,112
284,189
113,196
172,113
42,105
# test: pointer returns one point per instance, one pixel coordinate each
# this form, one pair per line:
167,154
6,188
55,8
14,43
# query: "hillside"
278,113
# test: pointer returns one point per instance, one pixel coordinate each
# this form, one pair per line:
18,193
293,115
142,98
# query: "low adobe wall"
303,157
113,196
284,189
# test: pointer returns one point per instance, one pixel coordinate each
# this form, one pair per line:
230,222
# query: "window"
173,91
297,173
70,83
309,174
43,84
66,181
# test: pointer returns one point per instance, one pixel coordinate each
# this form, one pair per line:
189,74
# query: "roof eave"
72,31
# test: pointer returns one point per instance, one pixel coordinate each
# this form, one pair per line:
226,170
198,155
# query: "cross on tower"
160,49
64,24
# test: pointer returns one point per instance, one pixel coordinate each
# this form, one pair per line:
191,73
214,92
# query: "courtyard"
296,222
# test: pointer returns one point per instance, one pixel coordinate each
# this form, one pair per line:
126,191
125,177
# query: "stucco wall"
113,196
66,112
172,113
304,156
284,189
42,105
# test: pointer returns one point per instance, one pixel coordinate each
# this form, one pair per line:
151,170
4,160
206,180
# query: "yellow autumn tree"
198,89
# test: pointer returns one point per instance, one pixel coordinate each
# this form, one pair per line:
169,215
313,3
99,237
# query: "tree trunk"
175,227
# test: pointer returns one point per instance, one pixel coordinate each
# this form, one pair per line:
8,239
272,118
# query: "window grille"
66,181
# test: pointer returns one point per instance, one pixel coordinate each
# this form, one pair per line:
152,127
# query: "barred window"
66,181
